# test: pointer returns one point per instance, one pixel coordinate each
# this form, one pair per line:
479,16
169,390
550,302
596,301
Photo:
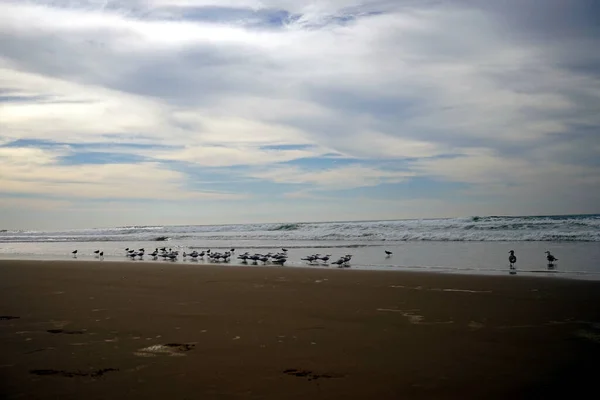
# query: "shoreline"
130,331
515,274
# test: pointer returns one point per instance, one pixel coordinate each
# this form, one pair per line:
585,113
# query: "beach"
75,330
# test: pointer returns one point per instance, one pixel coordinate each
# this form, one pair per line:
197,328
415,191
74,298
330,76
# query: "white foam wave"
552,228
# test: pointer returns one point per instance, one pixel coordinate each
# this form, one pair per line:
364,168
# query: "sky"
144,112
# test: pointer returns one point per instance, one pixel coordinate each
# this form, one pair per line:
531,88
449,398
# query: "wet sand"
80,330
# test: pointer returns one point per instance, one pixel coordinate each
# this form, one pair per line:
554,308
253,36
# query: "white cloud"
35,171
476,166
481,166
346,177
302,194
33,204
379,145
213,156
415,56
227,130
535,185
67,111
28,157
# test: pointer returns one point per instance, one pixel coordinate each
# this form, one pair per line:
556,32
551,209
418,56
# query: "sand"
77,330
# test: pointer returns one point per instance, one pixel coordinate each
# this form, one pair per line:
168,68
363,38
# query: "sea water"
469,245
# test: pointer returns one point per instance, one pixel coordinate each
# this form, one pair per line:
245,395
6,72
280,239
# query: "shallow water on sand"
576,259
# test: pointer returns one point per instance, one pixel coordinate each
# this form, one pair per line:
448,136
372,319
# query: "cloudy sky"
138,112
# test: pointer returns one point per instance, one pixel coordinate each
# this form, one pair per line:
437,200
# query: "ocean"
477,245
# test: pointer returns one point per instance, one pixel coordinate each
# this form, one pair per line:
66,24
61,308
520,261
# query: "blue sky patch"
317,163
100,158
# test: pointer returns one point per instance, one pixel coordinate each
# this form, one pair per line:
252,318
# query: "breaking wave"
286,227
573,228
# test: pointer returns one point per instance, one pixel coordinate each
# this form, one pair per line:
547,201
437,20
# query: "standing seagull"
550,257
74,253
512,258
389,253
339,262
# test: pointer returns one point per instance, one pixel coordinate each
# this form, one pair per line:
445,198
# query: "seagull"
284,250
101,254
324,258
512,258
550,257
97,251
389,253
311,259
339,262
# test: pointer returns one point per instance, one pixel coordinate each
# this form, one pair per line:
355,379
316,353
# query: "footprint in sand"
475,325
71,374
309,374
589,335
414,319
66,332
59,324
39,350
169,349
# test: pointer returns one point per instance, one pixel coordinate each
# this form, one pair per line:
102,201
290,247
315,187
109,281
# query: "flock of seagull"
275,258
343,261
278,258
